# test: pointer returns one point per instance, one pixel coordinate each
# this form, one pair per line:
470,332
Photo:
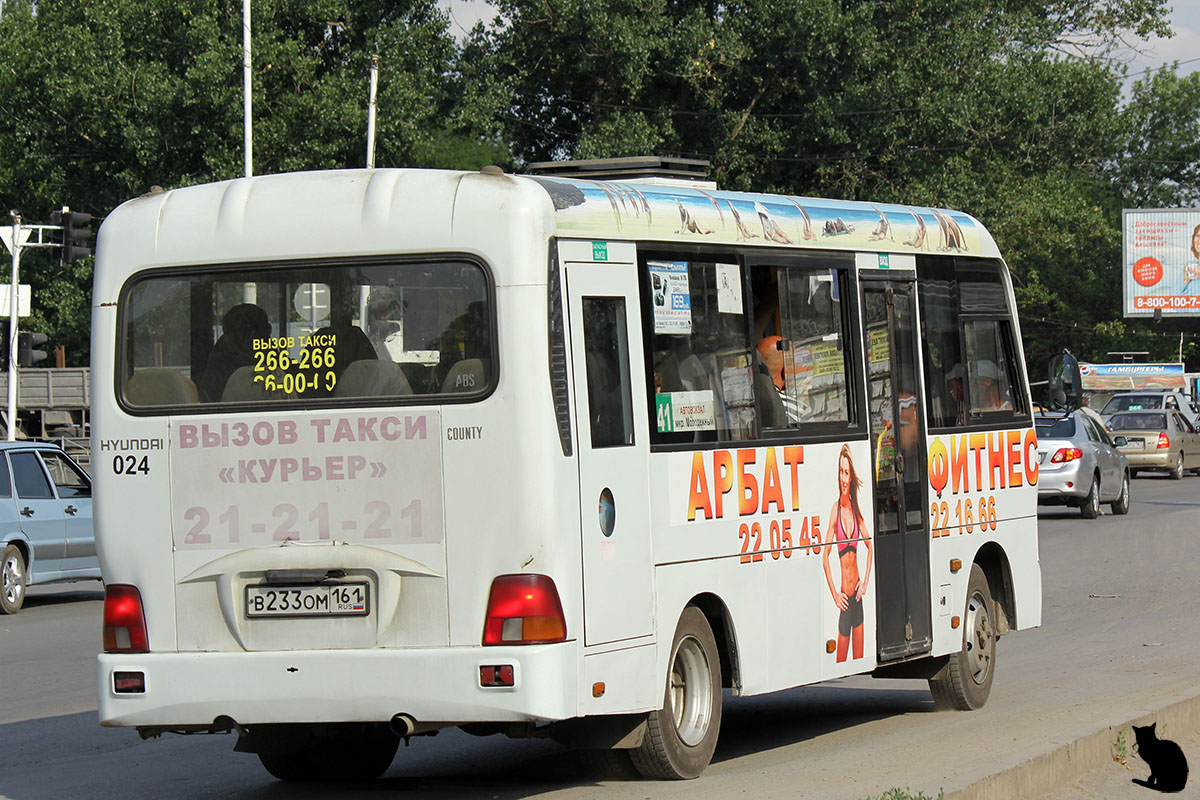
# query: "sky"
1184,46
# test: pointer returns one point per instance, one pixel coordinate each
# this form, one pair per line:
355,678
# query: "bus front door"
904,626
604,321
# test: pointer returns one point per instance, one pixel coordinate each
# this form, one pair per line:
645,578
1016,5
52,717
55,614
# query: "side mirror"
1064,387
1120,441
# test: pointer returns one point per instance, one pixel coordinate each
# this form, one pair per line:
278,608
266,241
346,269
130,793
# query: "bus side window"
969,351
700,371
945,375
802,351
988,367
606,343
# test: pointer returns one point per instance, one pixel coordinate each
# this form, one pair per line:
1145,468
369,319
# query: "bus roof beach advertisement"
1160,262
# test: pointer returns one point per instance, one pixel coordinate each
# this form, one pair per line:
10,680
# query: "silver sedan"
1079,465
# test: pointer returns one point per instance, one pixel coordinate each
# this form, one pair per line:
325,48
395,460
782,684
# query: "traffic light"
72,241
27,356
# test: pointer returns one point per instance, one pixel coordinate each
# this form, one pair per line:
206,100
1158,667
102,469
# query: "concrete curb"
1043,774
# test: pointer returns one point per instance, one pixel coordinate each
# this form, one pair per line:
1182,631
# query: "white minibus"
380,452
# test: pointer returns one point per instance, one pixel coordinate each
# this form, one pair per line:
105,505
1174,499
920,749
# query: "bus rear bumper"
436,685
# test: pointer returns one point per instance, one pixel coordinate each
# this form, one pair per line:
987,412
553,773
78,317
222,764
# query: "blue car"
45,520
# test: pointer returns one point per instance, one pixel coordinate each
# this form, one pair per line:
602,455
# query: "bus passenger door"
604,321
904,627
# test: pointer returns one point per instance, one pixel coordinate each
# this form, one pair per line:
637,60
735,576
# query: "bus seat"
693,376
241,388
372,378
160,386
468,375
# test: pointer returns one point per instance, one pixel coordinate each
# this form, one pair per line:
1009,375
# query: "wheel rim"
691,692
1123,500
1094,498
14,584
979,639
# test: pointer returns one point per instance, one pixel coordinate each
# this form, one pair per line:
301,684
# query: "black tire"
1177,470
13,580
349,758
1121,504
1133,473
966,681
292,767
682,735
608,764
1090,507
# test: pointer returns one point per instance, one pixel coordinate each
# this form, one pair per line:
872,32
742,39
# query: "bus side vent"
558,354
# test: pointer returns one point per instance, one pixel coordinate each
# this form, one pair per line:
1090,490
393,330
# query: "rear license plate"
1135,444
322,600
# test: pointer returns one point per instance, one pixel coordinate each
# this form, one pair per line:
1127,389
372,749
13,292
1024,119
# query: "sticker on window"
685,411
671,296
729,289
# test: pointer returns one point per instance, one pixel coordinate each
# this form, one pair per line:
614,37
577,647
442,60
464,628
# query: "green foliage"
99,101
904,794
1009,110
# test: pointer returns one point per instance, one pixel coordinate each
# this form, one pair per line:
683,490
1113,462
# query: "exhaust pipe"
403,725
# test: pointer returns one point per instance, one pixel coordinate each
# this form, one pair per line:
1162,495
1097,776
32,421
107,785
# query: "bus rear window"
418,331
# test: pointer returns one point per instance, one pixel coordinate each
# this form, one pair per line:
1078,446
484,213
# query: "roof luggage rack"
634,169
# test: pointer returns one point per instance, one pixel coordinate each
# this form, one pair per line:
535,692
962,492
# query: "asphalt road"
1120,638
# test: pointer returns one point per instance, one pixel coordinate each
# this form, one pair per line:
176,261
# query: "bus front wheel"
966,681
681,736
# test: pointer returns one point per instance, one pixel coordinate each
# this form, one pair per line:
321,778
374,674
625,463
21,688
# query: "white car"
1150,401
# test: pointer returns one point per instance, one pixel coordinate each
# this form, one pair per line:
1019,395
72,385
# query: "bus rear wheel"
682,735
966,681
345,758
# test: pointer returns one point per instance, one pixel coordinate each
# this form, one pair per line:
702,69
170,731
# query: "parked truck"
52,404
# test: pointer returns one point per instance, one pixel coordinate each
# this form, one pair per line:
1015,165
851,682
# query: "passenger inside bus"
772,350
957,394
240,326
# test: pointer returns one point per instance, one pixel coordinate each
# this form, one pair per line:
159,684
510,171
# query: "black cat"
1168,767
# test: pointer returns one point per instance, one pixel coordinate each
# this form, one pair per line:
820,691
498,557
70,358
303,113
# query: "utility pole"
17,236
247,81
371,112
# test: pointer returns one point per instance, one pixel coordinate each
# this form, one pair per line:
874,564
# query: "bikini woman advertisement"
848,533
1162,262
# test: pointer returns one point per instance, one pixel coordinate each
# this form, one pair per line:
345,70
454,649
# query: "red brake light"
524,609
1164,441
124,620
1066,454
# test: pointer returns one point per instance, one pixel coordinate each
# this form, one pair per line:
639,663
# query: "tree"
1011,111
100,101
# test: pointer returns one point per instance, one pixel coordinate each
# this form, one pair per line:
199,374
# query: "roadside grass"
1123,749
904,794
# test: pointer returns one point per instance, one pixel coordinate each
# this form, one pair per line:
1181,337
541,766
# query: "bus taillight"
524,609
124,620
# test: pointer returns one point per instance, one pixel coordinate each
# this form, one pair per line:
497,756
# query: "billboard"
1160,269
1132,377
